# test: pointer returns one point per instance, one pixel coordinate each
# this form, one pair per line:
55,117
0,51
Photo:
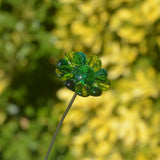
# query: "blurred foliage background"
123,123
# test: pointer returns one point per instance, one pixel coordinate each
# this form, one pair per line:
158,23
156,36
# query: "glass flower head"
81,75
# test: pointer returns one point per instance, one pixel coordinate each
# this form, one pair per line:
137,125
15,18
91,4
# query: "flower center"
84,74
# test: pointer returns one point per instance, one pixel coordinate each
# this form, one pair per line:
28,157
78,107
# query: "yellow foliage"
141,156
124,120
131,34
102,148
151,10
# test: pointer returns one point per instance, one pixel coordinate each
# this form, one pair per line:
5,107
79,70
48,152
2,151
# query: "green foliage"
27,63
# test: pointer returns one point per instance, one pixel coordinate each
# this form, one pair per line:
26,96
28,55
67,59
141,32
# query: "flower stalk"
60,124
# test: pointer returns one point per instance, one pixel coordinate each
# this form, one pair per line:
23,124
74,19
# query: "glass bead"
84,74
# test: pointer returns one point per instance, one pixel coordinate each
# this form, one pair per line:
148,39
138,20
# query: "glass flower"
81,75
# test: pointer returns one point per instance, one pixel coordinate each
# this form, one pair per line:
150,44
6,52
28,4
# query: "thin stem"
59,125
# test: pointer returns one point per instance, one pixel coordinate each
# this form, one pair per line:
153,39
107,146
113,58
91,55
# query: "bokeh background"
123,123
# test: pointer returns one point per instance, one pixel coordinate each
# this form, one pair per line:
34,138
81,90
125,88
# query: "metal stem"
59,125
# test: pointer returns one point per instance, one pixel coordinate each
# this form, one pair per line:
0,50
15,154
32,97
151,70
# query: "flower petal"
63,74
101,75
95,91
102,72
79,58
67,76
63,67
69,57
82,89
63,70
70,84
104,86
101,78
62,62
75,58
94,62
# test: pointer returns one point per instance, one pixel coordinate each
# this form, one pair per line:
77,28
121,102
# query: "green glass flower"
81,75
